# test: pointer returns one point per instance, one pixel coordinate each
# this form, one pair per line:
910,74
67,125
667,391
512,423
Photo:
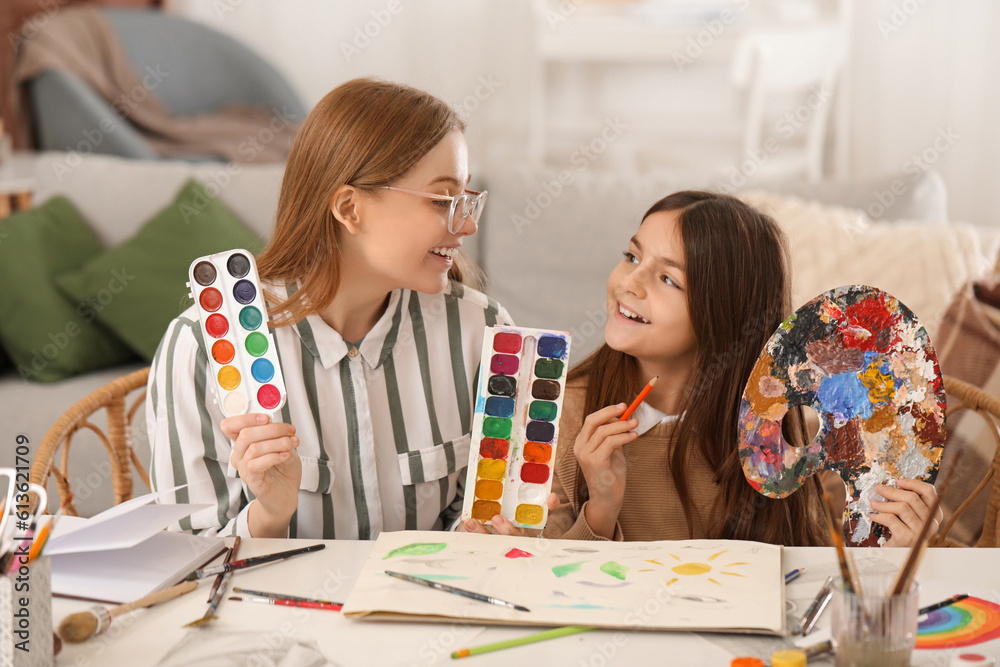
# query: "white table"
145,636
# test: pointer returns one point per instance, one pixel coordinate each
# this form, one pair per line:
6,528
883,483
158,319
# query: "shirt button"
353,352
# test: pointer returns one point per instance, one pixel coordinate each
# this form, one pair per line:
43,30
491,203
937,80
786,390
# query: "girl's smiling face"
648,315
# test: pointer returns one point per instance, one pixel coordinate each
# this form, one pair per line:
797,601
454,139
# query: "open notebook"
123,553
696,585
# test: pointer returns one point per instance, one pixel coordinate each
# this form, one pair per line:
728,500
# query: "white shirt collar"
649,417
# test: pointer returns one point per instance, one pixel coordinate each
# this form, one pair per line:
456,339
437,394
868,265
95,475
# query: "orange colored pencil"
43,534
639,399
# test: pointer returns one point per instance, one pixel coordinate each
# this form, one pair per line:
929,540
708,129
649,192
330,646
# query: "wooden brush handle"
155,598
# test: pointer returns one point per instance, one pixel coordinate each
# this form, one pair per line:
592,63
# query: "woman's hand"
598,450
905,510
502,526
264,454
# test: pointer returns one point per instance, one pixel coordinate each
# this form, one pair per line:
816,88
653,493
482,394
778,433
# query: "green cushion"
138,287
47,336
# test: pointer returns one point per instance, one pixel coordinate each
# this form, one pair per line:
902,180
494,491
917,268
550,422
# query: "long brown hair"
365,133
738,292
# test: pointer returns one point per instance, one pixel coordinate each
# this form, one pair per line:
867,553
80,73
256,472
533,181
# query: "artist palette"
243,360
864,363
522,379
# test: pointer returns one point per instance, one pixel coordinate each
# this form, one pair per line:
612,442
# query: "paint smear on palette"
568,568
614,569
416,549
517,553
865,364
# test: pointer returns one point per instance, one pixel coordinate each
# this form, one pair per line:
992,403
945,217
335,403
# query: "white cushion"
921,264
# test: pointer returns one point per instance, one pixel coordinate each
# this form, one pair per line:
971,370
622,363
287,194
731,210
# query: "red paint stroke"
878,322
517,553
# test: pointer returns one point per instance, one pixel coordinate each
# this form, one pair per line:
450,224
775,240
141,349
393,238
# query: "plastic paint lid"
238,265
210,299
223,351
205,273
217,326
746,662
262,370
244,291
268,396
235,403
250,317
256,344
789,658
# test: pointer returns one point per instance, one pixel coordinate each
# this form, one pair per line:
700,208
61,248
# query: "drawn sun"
693,569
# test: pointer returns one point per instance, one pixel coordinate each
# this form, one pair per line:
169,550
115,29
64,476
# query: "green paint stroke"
569,568
416,549
616,570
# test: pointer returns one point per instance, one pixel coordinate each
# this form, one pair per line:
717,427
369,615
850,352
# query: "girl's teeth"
632,316
444,252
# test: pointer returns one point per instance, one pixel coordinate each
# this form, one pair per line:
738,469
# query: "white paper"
120,531
123,575
720,585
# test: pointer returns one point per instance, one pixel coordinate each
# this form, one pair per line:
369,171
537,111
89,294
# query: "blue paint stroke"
845,396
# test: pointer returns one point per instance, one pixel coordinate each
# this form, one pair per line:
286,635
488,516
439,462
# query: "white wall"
917,68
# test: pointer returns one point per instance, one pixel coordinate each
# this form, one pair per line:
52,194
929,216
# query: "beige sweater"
652,509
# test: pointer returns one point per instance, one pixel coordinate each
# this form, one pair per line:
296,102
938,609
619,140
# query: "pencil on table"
521,641
639,399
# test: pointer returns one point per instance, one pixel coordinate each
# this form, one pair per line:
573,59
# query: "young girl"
701,288
379,340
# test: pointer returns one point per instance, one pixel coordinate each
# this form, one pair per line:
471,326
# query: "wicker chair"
975,399
112,397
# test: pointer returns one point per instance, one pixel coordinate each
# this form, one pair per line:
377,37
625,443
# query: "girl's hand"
598,450
502,526
905,510
264,454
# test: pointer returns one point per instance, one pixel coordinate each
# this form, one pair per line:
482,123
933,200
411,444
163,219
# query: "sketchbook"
690,585
124,553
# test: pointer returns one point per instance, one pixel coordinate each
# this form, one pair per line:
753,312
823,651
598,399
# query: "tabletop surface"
245,633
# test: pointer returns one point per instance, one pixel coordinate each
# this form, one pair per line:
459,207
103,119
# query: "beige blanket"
80,40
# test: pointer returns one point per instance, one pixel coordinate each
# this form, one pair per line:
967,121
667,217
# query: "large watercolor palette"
244,362
862,360
522,379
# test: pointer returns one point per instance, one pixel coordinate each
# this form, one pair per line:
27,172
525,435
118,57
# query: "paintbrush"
251,562
85,624
219,588
909,570
836,532
472,595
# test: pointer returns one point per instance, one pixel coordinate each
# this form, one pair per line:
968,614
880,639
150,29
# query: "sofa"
547,241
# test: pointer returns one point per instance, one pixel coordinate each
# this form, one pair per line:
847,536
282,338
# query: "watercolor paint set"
515,428
244,362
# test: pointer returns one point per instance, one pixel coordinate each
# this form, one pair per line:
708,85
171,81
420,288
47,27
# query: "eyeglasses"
467,205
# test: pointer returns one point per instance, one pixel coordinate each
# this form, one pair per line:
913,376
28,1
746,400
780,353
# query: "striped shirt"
384,425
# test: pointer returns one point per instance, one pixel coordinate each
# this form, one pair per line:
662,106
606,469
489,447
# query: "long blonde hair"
366,133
